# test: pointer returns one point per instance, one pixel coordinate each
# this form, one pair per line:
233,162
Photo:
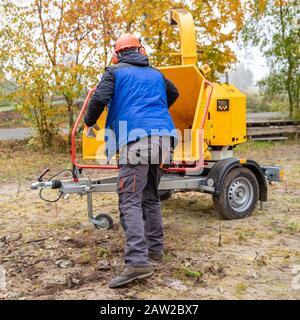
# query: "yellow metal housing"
94,148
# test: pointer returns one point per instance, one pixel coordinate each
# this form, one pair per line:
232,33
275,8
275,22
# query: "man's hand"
90,133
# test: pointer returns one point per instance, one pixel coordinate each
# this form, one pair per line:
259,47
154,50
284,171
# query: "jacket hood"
135,58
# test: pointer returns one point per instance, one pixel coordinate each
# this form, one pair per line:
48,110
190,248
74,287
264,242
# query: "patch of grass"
19,162
241,236
264,235
257,145
198,247
167,257
294,227
228,239
102,252
85,257
283,252
241,288
192,274
260,146
244,233
278,230
13,119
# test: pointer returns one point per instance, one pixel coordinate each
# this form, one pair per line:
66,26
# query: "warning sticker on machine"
223,105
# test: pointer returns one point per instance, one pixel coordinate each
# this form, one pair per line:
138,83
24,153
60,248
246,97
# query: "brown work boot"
155,257
130,274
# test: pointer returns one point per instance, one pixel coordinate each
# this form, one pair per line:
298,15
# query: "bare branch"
90,51
40,8
58,30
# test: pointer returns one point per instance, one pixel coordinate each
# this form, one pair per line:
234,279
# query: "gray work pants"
139,204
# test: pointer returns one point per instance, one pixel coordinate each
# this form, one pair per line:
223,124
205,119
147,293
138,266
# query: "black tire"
164,194
106,221
239,195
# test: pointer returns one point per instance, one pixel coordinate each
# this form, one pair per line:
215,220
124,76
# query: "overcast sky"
253,59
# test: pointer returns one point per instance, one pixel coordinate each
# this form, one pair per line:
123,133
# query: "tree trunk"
297,93
289,78
290,95
71,118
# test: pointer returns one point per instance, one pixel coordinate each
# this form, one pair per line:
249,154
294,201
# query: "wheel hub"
240,194
103,223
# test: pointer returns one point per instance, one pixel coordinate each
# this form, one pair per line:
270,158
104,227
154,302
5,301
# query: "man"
140,96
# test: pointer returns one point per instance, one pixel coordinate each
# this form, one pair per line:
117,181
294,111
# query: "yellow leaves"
256,8
262,5
282,3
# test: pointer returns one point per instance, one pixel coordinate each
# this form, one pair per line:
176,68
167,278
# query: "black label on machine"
223,105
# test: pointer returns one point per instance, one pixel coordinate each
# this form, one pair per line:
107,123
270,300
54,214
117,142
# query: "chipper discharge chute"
211,121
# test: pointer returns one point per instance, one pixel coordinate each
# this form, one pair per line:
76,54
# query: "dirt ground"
50,251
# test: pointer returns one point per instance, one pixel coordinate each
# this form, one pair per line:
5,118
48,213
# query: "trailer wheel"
105,220
164,194
239,195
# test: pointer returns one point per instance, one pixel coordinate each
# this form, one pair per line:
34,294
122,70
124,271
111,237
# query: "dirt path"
50,251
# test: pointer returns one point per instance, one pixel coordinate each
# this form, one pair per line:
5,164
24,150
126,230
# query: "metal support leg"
90,205
90,211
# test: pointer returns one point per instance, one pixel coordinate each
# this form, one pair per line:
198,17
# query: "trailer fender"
220,170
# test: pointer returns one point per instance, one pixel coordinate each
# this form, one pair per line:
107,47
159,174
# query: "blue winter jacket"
138,97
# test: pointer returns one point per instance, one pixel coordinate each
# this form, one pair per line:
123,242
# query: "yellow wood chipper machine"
211,121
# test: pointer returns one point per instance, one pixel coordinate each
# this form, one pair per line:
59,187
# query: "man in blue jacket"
138,97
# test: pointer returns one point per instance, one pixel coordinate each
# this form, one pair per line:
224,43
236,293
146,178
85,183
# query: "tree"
71,32
58,41
24,63
273,26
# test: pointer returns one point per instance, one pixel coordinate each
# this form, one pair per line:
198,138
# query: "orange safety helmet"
127,41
